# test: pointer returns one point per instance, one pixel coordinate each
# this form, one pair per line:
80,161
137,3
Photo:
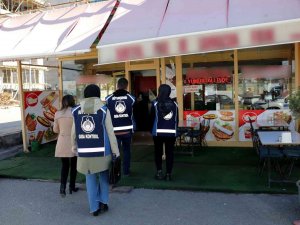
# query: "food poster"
222,123
261,115
40,107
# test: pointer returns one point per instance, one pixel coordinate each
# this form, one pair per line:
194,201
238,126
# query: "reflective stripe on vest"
170,131
123,128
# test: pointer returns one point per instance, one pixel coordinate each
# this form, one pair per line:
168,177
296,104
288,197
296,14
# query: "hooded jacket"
164,113
90,165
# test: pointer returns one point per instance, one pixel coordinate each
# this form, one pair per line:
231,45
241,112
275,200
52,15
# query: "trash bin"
35,146
298,185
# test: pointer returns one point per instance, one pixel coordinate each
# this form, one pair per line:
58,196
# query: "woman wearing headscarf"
164,114
94,141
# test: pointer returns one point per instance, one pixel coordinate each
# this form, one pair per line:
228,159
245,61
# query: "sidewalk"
33,203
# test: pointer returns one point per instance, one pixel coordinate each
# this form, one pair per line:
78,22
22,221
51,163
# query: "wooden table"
271,139
279,124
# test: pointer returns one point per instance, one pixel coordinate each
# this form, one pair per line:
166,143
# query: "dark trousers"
66,165
124,143
169,142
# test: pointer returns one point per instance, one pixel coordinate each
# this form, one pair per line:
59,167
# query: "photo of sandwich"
222,131
210,116
226,118
226,113
52,108
49,134
43,121
49,115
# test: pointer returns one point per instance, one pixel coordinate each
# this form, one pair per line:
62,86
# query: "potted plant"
294,104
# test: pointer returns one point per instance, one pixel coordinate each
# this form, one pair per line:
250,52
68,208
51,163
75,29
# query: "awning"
193,26
62,31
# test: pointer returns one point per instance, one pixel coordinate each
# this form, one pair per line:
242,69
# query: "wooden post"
114,81
20,84
163,70
192,93
158,81
60,82
297,74
179,83
236,92
127,75
297,65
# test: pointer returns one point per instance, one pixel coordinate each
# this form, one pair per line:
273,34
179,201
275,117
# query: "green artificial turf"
210,169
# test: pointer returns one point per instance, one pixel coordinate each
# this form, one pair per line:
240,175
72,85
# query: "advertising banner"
222,123
40,107
259,117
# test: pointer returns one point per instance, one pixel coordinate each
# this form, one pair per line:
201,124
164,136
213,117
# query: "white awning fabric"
62,31
193,26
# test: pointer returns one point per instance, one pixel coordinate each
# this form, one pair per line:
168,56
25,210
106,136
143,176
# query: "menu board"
40,108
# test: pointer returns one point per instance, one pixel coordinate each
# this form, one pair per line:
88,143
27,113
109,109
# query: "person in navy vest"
164,114
94,141
120,104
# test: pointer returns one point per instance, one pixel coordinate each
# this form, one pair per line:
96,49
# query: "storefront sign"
202,42
209,80
40,108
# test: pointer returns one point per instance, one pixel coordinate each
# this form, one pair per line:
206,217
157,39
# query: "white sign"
265,34
191,88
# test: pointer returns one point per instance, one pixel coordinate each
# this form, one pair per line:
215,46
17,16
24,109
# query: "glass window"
266,78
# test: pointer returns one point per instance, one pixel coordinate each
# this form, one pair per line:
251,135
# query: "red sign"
209,80
245,115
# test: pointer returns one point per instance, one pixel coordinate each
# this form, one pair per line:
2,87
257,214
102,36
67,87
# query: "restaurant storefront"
226,88
232,66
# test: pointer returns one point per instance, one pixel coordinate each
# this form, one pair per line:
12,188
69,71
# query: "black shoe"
75,189
96,213
168,177
159,175
62,191
103,207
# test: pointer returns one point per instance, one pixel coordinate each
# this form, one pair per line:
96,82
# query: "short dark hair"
92,90
67,101
122,83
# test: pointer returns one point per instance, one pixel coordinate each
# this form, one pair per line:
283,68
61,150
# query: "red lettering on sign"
209,80
262,36
183,46
295,36
161,48
132,52
218,42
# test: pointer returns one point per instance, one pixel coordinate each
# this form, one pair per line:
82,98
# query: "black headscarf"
92,90
164,100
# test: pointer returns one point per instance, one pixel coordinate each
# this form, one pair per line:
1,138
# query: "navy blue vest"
165,126
120,108
91,135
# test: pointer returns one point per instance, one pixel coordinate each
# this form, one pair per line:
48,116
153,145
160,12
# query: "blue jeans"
124,142
97,187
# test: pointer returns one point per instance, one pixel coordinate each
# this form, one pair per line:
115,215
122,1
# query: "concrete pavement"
38,203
